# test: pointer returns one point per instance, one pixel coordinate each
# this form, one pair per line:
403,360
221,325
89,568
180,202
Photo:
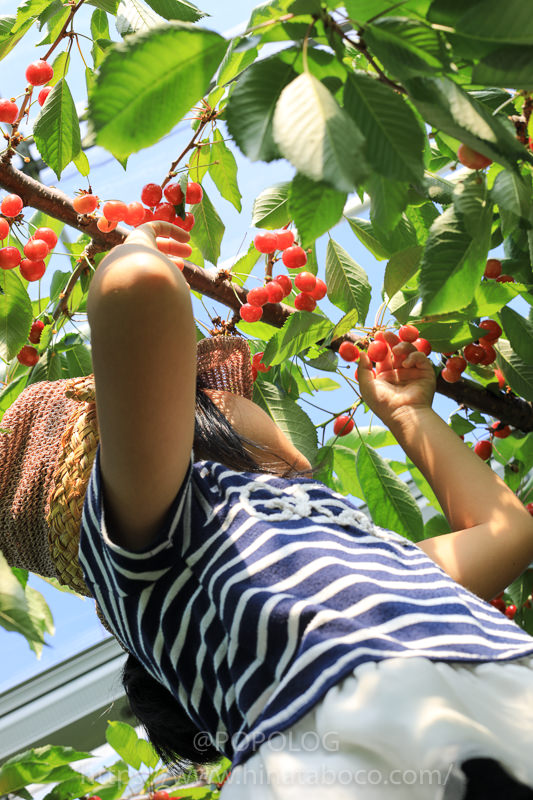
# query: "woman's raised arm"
144,360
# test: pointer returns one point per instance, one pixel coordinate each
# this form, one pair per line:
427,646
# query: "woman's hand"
164,237
405,379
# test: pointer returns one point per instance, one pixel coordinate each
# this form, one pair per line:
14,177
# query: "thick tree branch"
211,283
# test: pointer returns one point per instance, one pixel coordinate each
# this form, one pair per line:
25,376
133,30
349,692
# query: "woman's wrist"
406,420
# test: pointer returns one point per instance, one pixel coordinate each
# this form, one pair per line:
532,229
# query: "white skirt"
399,729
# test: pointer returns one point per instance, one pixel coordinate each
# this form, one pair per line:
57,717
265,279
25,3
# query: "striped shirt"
261,593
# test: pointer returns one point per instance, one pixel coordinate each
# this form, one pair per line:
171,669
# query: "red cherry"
304,302
348,351
85,203
115,210
305,282
275,292
510,611
151,194
43,94
32,270
408,333
266,242
47,235
188,222
494,331
483,449
294,257
498,374
148,215
164,211
160,795
4,228
377,350
423,346
450,375
173,193
250,313
471,158
9,257
194,194
28,356
498,603
258,296
474,353
105,225
8,111
505,279
456,364
258,364
320,290
500,431
529,507
36,249
493,268
254,373
39,73
343,425
285,283
11,205
285,239
36,330
134,214
489,355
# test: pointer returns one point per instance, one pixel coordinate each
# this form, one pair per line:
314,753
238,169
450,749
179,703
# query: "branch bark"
505,406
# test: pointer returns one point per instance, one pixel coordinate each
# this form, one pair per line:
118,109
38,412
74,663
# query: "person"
325,656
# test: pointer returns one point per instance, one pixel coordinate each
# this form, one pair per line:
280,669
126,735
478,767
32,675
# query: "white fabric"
398,729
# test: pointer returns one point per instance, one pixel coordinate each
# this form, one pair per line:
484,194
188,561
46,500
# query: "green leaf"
406,47
512,192
110,6
402,266
506,66
436,526
99,32
345,469
245,264
55,25
251,106
381,243
288,416
488,21
489,297
345,324
21,611
517,373
235,61
348,285
8,39
16,314
461,425
79,361
423,486
271,207
223,170
394,138
317,136
389,199
448,336
208,229
519,332
155,76
39,765
389,501
133,16
314,207
176,9
29,10
300,331
60,67
57,129
76,786
124,740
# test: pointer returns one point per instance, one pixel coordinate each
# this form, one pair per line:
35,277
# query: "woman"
266,606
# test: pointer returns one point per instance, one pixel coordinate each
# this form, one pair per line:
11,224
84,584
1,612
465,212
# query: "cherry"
275,292
505,279
304,302
36,330
285,283
499,430
456,364
11,205
36,249
474,353
423,346
377,350
32,270
489,355
408,333
148,215
8,111
254,373
161,795
134,214
494,331
450,375
305,282
47,235
85,203
285,239
343,425
266,242
193,194
164,211
39,73
529,507
471,158
4,228
493,268
499,603
483,449
43,94
498,374
105,225
28,356
251,313
10,257
320,290
510,611
258,296
115,210
348,351
186,224
294,257
151,194
173,193
258,364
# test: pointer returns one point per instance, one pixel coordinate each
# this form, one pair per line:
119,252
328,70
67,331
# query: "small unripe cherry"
43,95
36,249
450,375
151,194
8,111
500,431
193,194
285,283
4,228
274,291
266,242
32,270
483,449
47,235
343,425
456,364
294,257
471,158
348,351
39,73
10,257
473,353
257,296
173,193
28,356
305,282
115,210
134,214
285,239
377,350
12,205
493,268
250,313
304,302
105,225
85,203
423,346
408,333
36,331
320,290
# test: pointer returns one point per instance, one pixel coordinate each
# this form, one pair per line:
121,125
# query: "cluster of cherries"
37,74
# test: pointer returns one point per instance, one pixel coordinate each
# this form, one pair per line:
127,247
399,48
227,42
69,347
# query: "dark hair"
168,727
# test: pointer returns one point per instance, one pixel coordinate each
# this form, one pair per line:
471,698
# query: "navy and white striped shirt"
261,593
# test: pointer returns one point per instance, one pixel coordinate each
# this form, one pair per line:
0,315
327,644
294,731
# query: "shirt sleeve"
109,568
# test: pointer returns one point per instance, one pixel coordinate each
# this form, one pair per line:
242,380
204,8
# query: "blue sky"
76,623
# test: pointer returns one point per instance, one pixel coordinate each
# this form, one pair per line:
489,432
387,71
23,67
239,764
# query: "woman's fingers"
173,247
150,231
